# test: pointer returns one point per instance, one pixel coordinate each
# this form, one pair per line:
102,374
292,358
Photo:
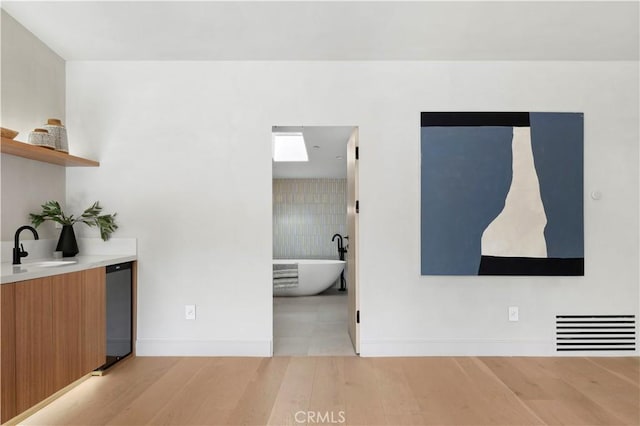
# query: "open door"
352,252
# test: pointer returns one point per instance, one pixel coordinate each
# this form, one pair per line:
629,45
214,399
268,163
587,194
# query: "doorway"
315,241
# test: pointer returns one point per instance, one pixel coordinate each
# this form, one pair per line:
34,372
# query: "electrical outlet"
190,312
513,313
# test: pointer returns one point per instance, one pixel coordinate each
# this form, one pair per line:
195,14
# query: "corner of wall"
33,89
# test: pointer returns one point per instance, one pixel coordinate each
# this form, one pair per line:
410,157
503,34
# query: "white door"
352,251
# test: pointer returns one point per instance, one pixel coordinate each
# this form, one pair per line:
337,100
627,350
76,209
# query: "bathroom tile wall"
306,214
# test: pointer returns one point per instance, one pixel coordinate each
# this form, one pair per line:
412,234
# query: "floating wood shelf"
38,153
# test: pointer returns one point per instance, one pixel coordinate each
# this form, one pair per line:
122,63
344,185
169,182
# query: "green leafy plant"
51,210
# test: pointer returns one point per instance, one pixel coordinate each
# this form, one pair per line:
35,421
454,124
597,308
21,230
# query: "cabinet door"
95,319
53,332
7,352
34,342
67,328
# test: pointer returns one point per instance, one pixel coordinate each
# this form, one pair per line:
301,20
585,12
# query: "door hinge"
357,153
357,206
357,317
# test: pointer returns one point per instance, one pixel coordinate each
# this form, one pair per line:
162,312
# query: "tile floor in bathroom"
314,325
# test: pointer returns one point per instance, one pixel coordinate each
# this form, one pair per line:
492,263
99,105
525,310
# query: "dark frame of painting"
470,175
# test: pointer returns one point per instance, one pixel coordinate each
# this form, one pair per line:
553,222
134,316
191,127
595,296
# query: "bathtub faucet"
341,248
341,251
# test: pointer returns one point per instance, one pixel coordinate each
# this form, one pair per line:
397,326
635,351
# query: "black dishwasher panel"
119,313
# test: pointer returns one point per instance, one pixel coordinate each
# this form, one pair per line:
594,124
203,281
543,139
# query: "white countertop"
94,253
28,269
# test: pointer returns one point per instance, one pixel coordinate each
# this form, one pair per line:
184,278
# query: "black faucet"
18,250
341,251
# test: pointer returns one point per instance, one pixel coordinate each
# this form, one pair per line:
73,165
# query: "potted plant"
67,244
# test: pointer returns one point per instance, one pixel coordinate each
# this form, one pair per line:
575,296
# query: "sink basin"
51,263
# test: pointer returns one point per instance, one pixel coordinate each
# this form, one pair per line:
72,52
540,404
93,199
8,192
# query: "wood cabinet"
34,342
66,295
7,352
94,349
52,332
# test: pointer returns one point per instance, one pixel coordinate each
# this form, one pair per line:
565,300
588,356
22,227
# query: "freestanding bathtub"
314,275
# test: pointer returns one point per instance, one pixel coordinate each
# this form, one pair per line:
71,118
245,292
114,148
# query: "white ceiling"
334,30
331,142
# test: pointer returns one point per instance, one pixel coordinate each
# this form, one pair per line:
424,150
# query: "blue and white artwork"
502,193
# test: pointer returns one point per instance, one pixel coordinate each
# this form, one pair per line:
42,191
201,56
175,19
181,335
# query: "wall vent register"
595,333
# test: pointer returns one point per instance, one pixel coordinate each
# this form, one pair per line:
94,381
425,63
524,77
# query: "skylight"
289,146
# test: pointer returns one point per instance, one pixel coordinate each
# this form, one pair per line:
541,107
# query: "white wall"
186,161
33,89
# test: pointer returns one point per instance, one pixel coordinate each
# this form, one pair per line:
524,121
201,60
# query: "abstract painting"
502,193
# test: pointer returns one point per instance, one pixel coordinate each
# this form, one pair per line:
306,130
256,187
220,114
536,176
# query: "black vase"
67,243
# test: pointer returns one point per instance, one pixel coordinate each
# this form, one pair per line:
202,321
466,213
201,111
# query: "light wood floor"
364,391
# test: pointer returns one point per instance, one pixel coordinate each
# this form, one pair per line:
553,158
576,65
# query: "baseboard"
457,347
166,347
370,348
475,347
